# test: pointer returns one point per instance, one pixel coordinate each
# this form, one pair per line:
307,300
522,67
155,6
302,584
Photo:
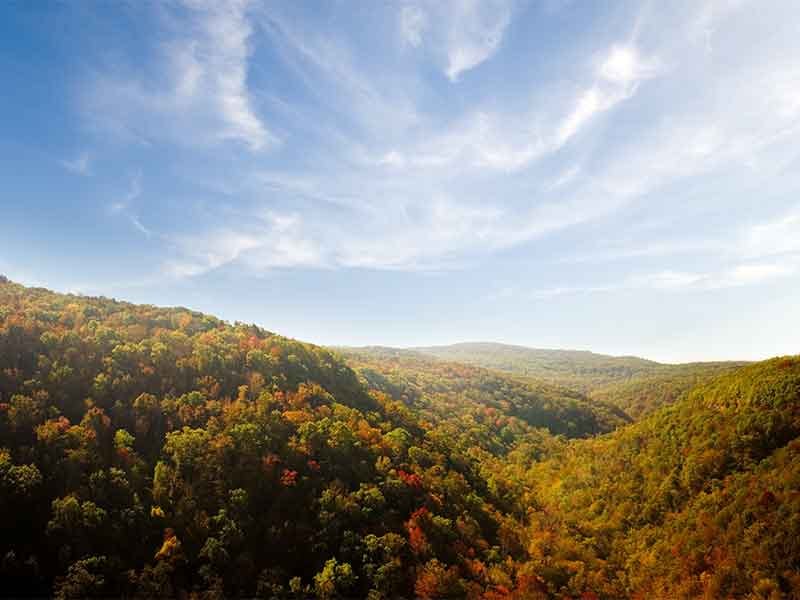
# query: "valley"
150,451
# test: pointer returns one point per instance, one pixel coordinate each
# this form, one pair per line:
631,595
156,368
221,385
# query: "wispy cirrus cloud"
413,23
513,141
760,253
359,104
741,275
481,140
462,34
386,169
625,66
271,240
616,160
198,93
80,165
124,205
476,32
616,79
781,236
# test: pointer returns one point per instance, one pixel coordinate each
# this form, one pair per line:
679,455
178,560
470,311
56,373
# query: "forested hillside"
151,452
701,500
451,390
645,393
635,385
575,369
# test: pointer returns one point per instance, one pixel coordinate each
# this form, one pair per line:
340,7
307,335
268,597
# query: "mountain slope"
153,452
572,368
150,452
451,389
645,393
698,500
635,385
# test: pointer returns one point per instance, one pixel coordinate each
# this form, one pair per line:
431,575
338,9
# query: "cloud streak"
616,80
80,165
123,206
746,274
199,91
461,34
397,156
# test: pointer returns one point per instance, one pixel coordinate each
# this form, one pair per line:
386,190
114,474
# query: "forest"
160,452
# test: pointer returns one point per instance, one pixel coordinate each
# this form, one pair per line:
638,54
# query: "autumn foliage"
148,452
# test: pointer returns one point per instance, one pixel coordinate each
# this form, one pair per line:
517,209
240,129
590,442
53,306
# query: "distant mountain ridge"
636,385
161,452
582,366
577,369
418,378
698,500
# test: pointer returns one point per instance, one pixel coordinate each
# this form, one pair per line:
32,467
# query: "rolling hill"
150,452
635,385
160,452
576,369
451,388
699,500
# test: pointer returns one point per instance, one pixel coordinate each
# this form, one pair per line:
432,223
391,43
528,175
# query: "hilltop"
150,452
579,369
698,500
421,380
635,385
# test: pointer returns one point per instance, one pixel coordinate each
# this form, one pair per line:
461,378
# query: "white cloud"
624,66
617,79
477,29
564,178
208,252
508,141
721,124
225,72
413,22
199,93
272,240
588,104
382,180
739,275
666,280
777,237
764,250
80,165
653,248
325,63
730,124
748,274
480,140
429,236
123,205
284,244
463,34
483,141
555,292
138,225
393,158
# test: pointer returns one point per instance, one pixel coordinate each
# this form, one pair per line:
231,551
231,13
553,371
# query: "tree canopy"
157,452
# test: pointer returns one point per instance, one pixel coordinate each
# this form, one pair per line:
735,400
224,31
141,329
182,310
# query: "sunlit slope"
699,500
452,388
645,393
635,385
160,452
573,368
150,452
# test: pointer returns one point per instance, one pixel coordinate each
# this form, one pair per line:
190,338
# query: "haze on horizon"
621,179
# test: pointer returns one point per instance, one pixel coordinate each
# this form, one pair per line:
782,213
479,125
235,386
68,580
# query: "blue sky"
621,177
